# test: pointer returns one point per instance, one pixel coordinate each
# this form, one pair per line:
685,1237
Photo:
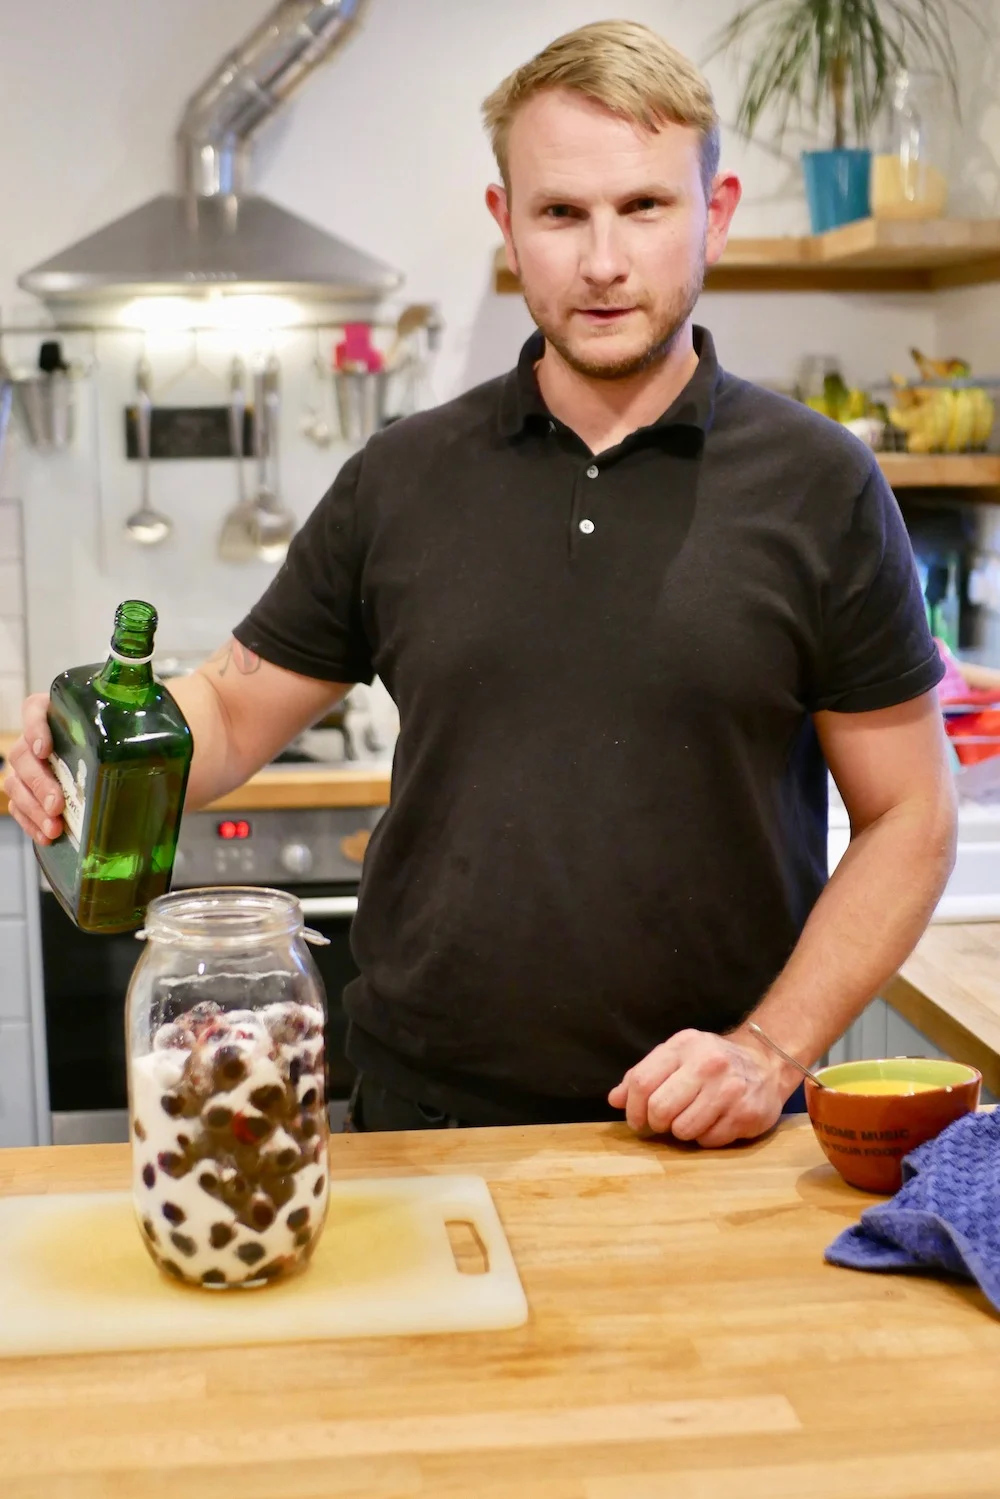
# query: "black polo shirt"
608,815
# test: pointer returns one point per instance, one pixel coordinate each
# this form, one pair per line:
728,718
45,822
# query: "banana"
939,369
943,408
841,403
906,419
962,422
855,406
929,430
982,425
924,365
937,419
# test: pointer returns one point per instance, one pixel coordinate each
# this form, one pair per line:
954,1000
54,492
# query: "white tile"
10,532
11,644
12,693
11,588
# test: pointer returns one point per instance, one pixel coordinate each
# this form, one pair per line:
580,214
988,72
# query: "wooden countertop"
685,1338
949,988
289,786
305,786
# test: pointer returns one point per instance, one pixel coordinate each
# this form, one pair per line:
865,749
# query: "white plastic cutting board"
75,1277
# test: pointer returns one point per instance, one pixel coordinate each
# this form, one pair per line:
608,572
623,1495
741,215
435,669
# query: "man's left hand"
703,1087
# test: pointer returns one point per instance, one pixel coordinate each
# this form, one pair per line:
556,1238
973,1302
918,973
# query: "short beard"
656,351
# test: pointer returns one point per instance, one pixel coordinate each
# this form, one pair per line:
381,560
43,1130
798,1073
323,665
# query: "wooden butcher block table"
685,1340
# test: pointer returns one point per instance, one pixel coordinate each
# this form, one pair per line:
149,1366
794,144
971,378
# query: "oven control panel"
273,847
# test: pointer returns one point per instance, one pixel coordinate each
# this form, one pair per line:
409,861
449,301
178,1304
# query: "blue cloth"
945,1216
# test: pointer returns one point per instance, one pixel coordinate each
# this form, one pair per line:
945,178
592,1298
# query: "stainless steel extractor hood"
213,235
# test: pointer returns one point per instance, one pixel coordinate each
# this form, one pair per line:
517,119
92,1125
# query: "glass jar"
227,1087
910,170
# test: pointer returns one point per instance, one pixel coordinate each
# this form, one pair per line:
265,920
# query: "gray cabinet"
865,1037
22,1082
11,868
882,1032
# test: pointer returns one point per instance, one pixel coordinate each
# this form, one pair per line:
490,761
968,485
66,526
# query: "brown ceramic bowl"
866,1134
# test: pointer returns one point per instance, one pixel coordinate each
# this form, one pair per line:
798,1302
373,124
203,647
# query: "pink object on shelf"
356,352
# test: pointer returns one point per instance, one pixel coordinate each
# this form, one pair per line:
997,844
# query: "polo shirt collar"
522,404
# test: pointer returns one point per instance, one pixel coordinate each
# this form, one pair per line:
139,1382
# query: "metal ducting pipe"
248,87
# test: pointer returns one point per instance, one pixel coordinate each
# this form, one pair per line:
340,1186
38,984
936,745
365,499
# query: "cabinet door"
14,1002
866,1037
882,1032
11,868
904,1040
17,1092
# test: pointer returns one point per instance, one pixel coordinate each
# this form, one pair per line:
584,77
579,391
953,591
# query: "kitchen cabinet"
17,1090
882,1032
11,869
20,994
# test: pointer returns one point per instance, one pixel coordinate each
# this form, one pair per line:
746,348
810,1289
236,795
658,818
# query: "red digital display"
229,829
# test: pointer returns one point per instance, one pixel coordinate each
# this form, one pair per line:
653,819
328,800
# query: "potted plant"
833,63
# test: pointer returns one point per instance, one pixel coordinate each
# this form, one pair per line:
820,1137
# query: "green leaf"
805,54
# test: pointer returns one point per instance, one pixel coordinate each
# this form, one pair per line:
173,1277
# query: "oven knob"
296,858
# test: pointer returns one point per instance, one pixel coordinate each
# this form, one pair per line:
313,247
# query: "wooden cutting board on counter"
399,1255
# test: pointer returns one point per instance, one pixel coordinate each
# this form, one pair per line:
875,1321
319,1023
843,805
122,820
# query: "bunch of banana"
937,419
840,402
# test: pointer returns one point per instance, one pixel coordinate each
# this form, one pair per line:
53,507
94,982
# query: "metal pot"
45,404
361,402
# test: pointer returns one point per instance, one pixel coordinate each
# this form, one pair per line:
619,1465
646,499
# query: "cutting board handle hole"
468,1248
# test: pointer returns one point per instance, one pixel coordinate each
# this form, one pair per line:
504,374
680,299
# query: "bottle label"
74,790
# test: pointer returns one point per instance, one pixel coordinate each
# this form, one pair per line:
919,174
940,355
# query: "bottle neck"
124,679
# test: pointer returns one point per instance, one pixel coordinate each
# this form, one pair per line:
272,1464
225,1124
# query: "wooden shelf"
869,255
968,471
504,281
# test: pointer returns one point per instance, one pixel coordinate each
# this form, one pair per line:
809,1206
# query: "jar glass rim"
223,916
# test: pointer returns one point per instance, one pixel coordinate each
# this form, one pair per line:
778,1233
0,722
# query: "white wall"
383,146
12,654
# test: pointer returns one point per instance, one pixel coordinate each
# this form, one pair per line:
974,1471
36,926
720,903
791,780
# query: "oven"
315,854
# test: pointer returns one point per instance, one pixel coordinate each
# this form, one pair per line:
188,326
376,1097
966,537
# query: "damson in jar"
227,1088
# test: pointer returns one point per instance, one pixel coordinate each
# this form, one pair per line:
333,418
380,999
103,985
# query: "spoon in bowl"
752,1025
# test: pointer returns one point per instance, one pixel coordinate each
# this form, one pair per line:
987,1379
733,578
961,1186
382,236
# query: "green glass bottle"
121,753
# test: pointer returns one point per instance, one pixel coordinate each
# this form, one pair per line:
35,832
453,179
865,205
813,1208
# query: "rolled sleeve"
876,649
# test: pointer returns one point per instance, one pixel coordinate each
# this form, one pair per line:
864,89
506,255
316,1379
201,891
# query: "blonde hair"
631,70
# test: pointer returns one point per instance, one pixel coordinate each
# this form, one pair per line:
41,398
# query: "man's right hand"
35,798
241,710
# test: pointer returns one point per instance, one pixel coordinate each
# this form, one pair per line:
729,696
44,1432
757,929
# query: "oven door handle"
329,905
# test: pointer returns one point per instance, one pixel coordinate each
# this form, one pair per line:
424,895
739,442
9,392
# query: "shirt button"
552,426
593,471
587,527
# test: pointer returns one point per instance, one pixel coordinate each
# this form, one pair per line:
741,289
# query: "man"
630,608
